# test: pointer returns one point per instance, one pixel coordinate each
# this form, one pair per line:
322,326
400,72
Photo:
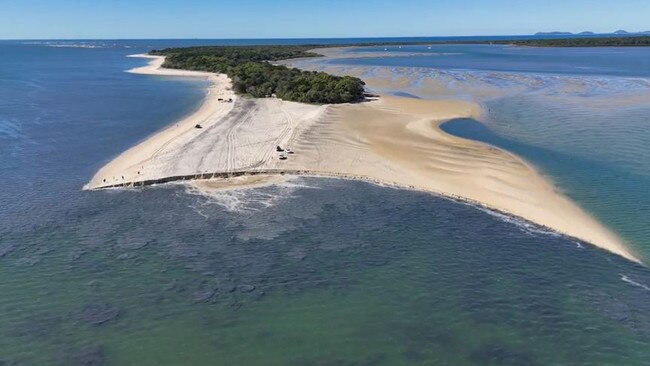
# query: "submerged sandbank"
392,140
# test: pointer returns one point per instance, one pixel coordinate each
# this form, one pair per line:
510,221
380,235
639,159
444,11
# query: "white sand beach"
394,141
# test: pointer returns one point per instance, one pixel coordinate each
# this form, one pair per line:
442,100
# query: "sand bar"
393,141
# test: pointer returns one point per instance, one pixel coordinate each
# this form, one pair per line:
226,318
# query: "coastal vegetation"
641,41
252,72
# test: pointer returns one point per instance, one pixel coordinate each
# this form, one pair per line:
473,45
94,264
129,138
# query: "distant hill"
619,32
553,33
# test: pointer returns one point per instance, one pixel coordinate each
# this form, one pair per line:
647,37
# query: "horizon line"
297,38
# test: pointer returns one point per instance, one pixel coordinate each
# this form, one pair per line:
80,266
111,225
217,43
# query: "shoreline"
393,142
224,182
129,165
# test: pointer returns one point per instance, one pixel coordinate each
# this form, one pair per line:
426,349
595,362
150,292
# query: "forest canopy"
642,41
250,69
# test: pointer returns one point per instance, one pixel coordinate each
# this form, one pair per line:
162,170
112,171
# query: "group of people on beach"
115,179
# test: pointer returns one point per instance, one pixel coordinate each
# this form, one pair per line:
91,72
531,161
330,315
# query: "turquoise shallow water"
580,115
312,271
617,196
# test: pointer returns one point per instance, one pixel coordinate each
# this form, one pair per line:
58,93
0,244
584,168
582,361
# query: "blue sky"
309,18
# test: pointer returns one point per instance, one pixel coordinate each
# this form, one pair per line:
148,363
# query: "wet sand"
398,140
393,141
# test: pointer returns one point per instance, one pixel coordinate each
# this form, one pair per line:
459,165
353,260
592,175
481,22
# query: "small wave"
248,199
10,129
523,225
625,278
199,211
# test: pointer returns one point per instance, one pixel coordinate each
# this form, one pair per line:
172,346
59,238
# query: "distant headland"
589,33
600,41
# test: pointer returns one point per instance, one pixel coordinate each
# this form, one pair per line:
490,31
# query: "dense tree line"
642,41
252,73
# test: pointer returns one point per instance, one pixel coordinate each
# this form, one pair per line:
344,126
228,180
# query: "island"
556,33
262,122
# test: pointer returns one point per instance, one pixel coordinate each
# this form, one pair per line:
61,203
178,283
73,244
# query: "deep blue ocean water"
312,271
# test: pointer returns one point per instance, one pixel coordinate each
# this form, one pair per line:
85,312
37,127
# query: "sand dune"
391,140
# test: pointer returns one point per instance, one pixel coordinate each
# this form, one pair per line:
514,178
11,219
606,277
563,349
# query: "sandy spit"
393,141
